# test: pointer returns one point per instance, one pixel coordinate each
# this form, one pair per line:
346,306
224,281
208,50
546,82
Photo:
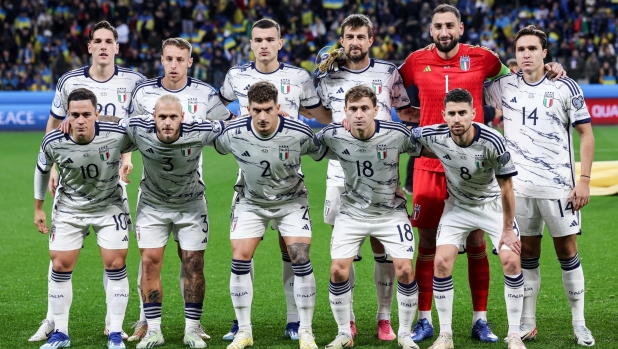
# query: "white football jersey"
172,172
270,166
199,100
295,87
89,177
371,167
538,123
383,77
113,95
471,172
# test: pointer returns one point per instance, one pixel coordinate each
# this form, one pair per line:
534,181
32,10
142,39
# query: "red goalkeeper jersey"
435,76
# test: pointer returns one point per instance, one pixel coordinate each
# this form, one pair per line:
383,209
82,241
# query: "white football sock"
352,282
532,285
117,297
443,294
241,290
384,279
142,315
50,314
573,282
340,296
288,287
305,290
60,298
514,298
407,302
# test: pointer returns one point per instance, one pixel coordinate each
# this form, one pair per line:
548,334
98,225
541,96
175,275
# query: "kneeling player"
371,205
472,155
268,149
89,196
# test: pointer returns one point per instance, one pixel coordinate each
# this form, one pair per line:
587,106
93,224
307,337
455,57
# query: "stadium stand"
42,39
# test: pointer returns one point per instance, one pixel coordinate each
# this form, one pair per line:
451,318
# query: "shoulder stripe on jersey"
202,127
393,125
384,62
51,134
331,127
133,122
572,85
286,65
240,121
46,141
200,82
126,70
110,124
230,128
502,77
299,129
146,82
67,76
407,133
240,66
495,141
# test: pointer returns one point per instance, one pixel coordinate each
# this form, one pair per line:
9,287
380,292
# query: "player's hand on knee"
53,181
555,71
125,171
40,220
510,239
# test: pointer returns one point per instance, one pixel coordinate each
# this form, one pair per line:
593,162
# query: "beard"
446,48
356,58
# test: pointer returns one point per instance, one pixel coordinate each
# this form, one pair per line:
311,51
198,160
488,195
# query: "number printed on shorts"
405,233
205,222
569,206
121,221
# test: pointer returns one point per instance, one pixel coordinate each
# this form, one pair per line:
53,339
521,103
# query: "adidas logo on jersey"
573,224
340,90
126,238
149,150
346,152
246,153
514,100
69,161
447,157
427,69
247,88
306,227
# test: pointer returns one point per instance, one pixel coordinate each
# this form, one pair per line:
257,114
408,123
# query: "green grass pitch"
24,261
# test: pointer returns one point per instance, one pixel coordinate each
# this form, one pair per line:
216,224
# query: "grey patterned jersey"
199,100
383,77
113,95
538,123
270,165
470,171
171,176
89,177
371,167
295,87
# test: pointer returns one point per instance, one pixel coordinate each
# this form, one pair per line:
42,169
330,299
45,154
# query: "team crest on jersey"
377,86
548,101
122,95
185,150
192,105
464,63
285,86
381,151
284,152
104,153
480,161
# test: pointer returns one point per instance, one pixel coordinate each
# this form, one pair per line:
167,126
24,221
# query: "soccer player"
172,200
112,85
89,196
297,94
436,71
371,205
479,171
383,77
199,102
539,117
268,148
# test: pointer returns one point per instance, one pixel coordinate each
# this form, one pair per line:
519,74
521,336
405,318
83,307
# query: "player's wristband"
584,176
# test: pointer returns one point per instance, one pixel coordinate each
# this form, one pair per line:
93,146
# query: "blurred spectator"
512,65
575,67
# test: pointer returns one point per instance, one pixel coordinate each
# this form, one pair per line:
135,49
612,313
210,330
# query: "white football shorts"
250,220
558,214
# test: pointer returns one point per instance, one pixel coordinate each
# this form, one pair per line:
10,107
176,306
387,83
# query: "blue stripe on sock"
285,257
193,311
530,263
407,289
61,276
515,282
442,284
570,264
339,288
117,274
302,269
152,310
241,267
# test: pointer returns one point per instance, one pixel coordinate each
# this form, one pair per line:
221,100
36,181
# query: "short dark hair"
458,95
356,21
82,94
444,8
178,42
262,92
102,25
531,30
358,92
266,23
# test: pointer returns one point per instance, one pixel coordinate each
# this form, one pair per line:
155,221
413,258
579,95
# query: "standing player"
384,79
473,155
89,196
199,102
268,149
112,85
435,72
539,117
371,205
297,91
172,199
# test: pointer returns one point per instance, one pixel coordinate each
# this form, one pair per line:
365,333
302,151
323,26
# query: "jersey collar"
374,133
159,84
254,68
476,136
371,63
521,75
87,74
279,129
67,136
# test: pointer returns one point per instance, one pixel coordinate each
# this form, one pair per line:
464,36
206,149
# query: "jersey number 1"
446,81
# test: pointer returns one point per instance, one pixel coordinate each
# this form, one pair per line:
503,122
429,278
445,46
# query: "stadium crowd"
43,39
